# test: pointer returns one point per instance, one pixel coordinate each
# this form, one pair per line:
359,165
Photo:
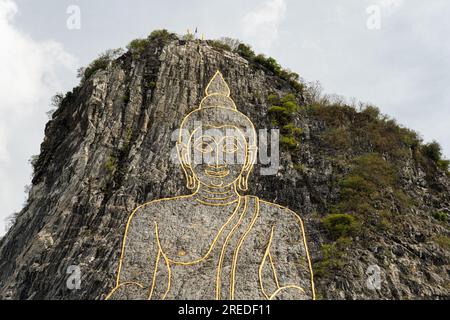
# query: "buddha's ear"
251,158
183,154
248,166
185,160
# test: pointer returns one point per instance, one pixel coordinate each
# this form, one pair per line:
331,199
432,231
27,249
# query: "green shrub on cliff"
443,241
137,46
333,257
245,51
270,63
111,164
219,45
433,151
440,216
101,63
281,114
291,130
282,111
369,177
188,37
162,35
443,165
288,142
340,225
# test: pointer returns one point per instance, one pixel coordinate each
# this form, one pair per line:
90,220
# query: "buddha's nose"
218,162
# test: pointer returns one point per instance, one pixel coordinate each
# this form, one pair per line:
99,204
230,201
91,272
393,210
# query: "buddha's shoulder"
276,214
154,210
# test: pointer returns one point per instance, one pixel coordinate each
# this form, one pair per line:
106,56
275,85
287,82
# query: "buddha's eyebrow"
204,137
235,140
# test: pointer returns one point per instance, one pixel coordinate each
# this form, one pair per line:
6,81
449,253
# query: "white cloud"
28,78
261,25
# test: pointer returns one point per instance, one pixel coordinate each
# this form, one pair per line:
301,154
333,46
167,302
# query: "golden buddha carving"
214,243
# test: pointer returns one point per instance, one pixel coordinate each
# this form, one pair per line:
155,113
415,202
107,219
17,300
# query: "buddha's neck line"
217,196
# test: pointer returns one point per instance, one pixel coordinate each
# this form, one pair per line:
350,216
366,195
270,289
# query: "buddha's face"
218,155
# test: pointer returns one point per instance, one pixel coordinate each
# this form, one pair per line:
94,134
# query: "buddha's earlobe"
243,181
185,162
190,181
248,166
251,158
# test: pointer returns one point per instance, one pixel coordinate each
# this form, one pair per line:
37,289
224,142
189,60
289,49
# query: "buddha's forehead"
217,122
217,116
218,132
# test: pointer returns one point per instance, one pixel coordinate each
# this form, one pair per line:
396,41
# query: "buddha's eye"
230,148
204,145
230,145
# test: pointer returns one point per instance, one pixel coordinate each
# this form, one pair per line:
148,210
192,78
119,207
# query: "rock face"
107,150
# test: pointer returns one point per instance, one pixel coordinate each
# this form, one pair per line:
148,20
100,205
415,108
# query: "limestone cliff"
107,147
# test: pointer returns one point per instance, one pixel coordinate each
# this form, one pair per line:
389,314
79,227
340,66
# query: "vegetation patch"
367,130
433,151
162,35
443,165
338,138
340,225
138,46
440,216
333,257
384,221
300,167
188,37
34,161
151,85
111,164
363,192
101,63
269,63
246,52
219,45
365,184
442,241
289,143
281,114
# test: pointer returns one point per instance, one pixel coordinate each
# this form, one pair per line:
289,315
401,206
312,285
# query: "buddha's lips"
217,174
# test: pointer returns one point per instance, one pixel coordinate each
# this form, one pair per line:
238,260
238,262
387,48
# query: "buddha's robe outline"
259,253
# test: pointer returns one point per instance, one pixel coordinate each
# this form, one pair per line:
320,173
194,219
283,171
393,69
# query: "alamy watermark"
373,281
73,282
374,20
73,21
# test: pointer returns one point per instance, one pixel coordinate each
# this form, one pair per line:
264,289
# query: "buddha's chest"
202,231
207,262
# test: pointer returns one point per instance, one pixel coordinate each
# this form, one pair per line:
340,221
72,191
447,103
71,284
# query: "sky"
392,53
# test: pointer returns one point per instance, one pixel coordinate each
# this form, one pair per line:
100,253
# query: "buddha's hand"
291,292
128,291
